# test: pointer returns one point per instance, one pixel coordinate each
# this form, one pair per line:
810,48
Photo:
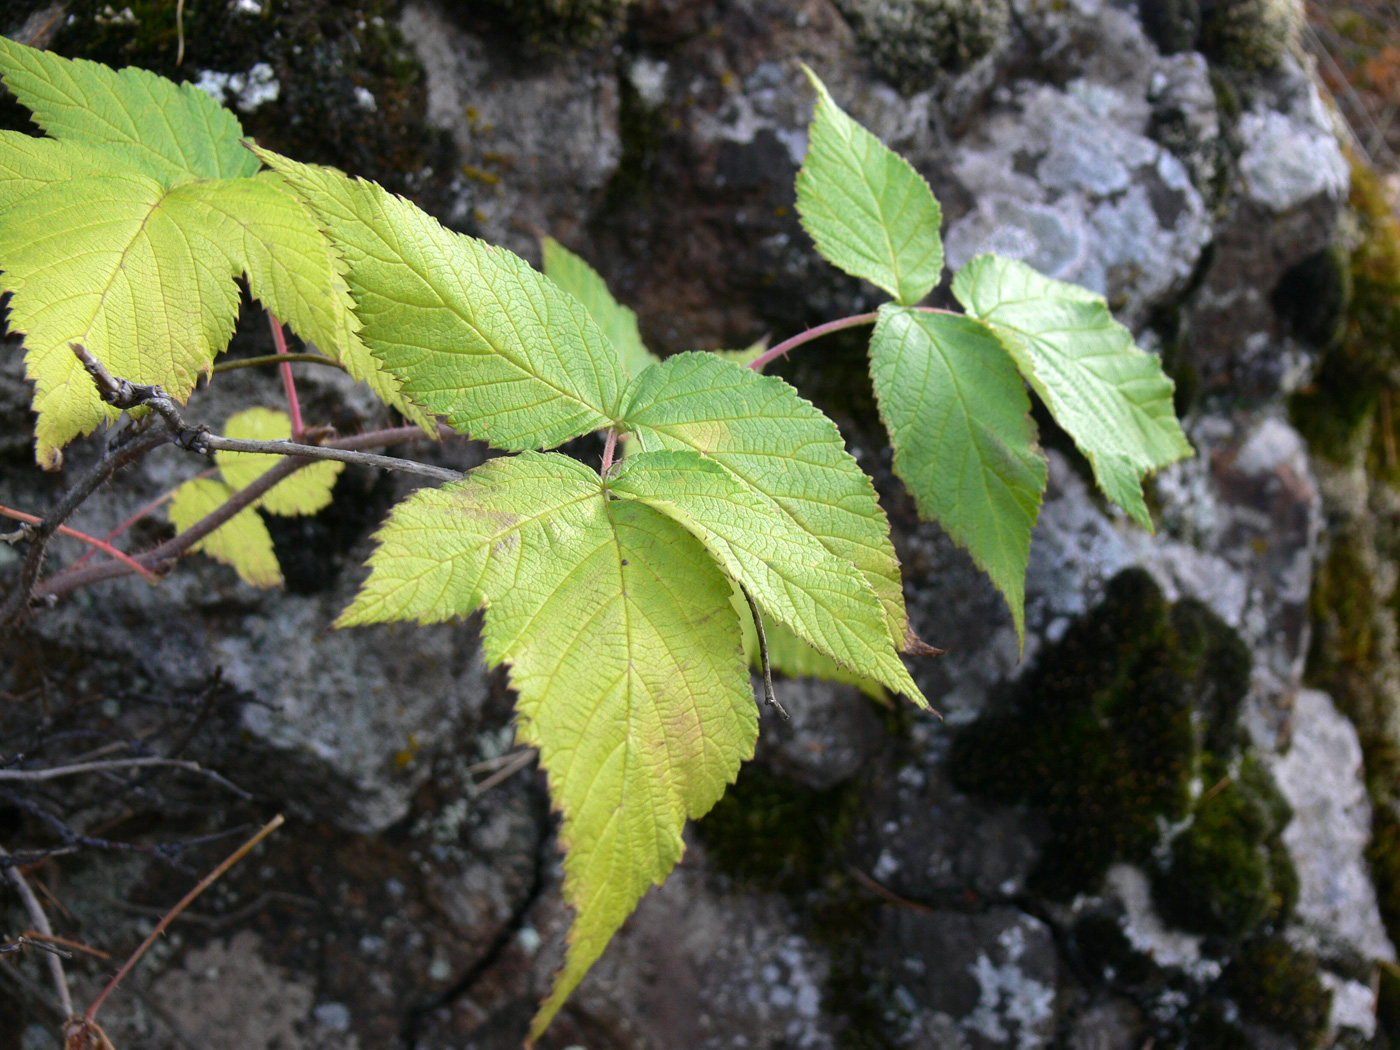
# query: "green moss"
550,24
1279,987
322,54
910,42
1228,872
1250,35
771,832
1103,735
1362,362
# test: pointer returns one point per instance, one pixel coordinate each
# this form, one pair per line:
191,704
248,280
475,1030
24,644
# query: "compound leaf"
780,446
1110,396
123,265
305,492
585,284
171,132
623,648
786,569
242,542
869,212
959,422
472,331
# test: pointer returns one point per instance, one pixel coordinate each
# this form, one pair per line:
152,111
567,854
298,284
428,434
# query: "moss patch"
1228,873
332,63
1278,986
1102,733
910,42
1249,35
775,834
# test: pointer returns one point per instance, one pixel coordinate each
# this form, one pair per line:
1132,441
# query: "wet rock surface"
1153,827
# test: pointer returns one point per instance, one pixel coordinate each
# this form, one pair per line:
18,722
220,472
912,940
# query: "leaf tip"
916,646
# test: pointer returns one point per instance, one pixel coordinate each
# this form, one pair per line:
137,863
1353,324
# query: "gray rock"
737,973
537,143
830,734
1320,776
1292,156
1069,182
989,977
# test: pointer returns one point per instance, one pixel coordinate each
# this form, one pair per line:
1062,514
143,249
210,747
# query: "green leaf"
471,330
789,655
584,283
786,569
1111,397
623,648
305,492
267,233
125,266
869,212
172,133
959,422
763,433
242,542
745,356
28,163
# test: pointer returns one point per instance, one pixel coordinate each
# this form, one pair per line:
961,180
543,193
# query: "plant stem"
162,556
768,696
276,359
89,1018
820,330
215,443
608,450
854,321
93,541
293,406
134,518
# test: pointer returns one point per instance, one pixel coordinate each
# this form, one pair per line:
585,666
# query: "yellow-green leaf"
959,422
305,492
472,331
622,646
869,212
784,566
171,132
762,432
618,322
242,542
1110,396
123,265
267,233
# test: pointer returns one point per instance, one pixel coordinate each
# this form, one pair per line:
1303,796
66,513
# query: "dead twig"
40,919
81,1033
58,772
517,762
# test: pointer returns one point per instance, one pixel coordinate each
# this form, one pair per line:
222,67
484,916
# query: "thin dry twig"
111,765
81,1032
40,919
518,761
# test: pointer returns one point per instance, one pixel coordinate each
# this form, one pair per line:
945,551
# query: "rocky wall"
1171,822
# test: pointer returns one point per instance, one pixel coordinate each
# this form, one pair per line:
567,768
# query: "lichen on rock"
910,42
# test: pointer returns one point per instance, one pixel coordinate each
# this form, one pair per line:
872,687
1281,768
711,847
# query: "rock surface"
874,878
